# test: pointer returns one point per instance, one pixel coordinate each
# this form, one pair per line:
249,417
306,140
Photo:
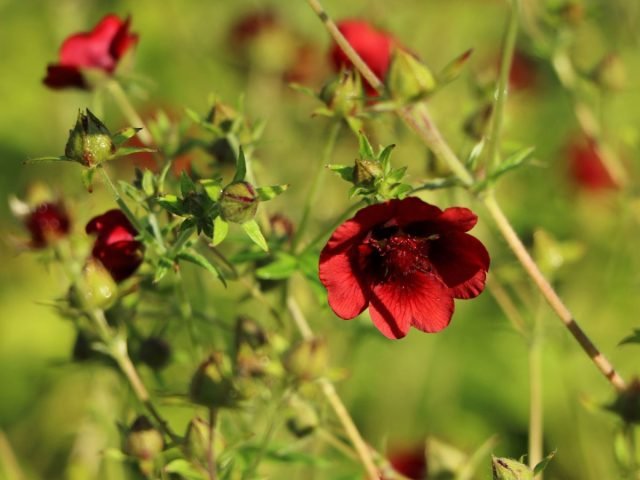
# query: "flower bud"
308,359
302,418
627,405
97,288
47,223
144,441
509,469
249,332
197,439
239,202
212,385
409,79
366,171
90,141
155,352
343,95
610,73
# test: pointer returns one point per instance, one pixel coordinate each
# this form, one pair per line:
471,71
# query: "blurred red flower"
587,167
47,222
411,463
101,48
116,246
373,46
406,260
524,72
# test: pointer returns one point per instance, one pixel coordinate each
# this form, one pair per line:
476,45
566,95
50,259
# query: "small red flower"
116,246
587,167
411,462
374,46
406,260
47,222
524,72
102,48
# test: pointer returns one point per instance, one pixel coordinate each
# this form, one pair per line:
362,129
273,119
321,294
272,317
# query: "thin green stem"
336,443
502,87
536,425
122,100
314,190
507,305
121,203
211,458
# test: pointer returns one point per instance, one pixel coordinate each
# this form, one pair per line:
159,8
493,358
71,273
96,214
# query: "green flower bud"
239,202
343,95
308,359
409,79
627,404
89,141
509,469
144,441
97,289
302,418
212,384
197,439
366,171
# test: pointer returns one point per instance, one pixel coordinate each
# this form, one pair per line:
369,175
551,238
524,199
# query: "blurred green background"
463,385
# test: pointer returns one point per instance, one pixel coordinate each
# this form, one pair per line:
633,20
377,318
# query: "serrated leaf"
187,185
196,258
366,150
220,230
344,171
252,229
123,135
148,183
171,203
124,151
282,267
268,193
184,469
633,338
87,178
539,468
241,167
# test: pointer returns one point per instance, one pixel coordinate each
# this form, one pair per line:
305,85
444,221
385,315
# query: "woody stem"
418,119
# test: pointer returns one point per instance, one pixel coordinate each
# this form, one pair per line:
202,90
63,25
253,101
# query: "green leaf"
171,203
196,258
29,161
148,183
476,151
344,171
384,157
220,230
187,185
302,89
366,150
184,469
131,191
268,193
116,455
282,267
633,338
87,178
539,468
512,162
124,151
396,175
253,230
453,69
212,187
241,167
123,135
400,190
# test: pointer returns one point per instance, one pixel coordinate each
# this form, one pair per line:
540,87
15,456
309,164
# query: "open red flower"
373,46
46,223
587,167
116,246
101,48
405,260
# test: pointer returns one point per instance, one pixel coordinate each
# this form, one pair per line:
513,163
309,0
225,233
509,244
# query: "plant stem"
536,425
329,391
312,196
211,459
8,463
419,120
505,303
129,112
502,86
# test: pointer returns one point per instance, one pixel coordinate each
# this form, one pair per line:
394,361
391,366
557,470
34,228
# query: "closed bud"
343,95
97,288
212,384
366,171
409,79
89,141
302,418
239,202
144,441
610,73
47,223
308,359
155,352
509,469
197,439
627,405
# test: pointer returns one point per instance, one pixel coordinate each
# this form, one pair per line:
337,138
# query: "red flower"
47,222
102,48
116,246
587,167
406,260
411,463
374,46
524,72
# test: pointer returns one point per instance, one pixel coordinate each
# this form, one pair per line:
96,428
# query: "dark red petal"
419,300
346,293
104,224
458,218
91,49
61,76
121,259
122,41
462,262
413,210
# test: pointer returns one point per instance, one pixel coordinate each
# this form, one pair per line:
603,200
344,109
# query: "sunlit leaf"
253,231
